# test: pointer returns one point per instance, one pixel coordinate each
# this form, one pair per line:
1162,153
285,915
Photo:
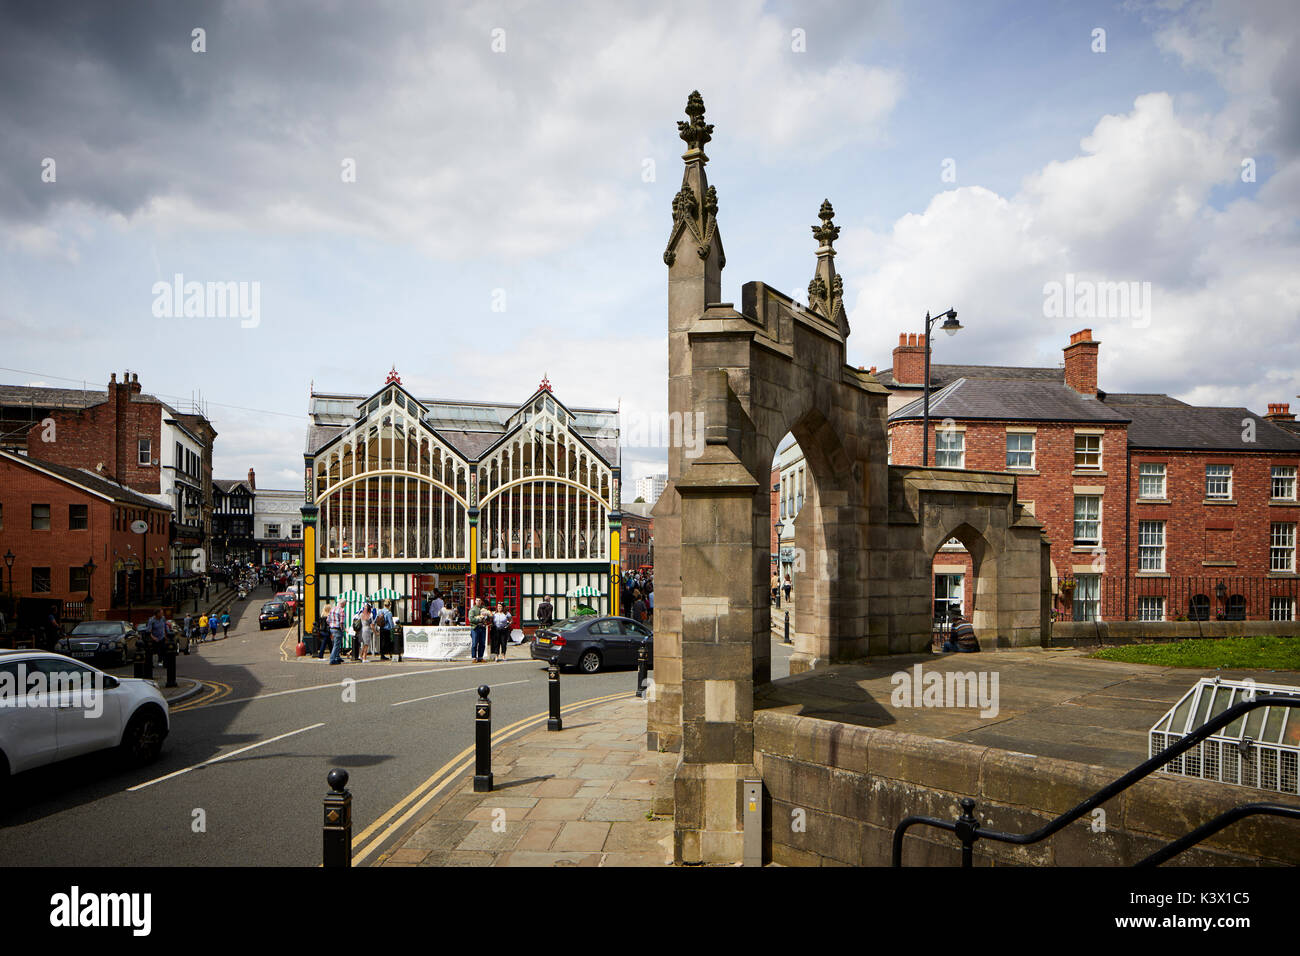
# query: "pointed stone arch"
774,367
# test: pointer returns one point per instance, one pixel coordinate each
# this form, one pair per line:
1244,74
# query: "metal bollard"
143,662
641,657
553,683
483,741
338,820
787,627
169,658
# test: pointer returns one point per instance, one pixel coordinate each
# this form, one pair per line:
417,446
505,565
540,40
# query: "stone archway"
754,374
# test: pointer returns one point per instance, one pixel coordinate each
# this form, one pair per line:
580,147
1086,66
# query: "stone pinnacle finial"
827,232
697,132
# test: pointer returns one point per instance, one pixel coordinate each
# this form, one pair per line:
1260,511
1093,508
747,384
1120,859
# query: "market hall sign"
442,567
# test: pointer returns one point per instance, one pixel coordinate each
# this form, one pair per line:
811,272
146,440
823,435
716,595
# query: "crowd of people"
369,632
637,596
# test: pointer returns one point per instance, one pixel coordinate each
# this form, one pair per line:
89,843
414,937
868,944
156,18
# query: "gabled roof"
1010,400
230,485
87,481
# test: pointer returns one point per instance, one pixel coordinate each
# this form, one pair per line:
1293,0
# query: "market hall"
509,503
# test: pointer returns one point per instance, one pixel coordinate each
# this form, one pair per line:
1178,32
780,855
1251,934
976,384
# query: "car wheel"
589,662
143,739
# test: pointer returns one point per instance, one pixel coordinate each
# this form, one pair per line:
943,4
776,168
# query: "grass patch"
1260,653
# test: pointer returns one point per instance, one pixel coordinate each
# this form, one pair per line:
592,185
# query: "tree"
638,500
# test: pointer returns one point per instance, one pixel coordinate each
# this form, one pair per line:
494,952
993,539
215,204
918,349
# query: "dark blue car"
593,643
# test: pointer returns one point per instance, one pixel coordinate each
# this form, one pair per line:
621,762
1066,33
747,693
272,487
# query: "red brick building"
57,520
1155,509
636,532
133,439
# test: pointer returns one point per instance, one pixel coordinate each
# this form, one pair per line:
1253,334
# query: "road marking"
216,691
447,774
233,753
416,700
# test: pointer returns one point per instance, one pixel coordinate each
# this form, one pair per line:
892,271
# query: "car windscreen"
97,629
572,623
269,608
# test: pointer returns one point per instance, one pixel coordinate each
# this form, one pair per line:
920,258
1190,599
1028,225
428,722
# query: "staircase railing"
968,828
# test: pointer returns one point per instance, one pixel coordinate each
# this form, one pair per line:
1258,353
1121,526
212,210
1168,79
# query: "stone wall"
1091,633
855,784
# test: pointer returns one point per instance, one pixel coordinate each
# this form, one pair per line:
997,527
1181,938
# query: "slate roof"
227,485
1198,428
941,375
1011,400
91,481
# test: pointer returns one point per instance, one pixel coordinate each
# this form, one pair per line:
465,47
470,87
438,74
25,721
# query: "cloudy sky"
479,193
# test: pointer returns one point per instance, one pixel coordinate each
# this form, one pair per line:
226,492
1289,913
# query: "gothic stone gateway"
869,530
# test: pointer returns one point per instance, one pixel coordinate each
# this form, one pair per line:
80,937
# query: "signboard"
139,527
436,643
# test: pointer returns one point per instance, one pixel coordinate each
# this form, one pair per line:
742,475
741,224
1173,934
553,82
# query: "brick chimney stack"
1280,412
909,359
1081,363
252,480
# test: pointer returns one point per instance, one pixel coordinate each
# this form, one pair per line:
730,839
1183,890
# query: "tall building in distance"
651,487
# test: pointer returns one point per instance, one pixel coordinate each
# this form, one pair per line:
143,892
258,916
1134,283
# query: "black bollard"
553,682
169,658
143,666
641,657
483,741
338,820
787,627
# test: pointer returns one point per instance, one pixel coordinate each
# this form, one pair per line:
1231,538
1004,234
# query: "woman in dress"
500,632
366,638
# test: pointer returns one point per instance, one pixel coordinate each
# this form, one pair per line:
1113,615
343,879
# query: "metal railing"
968,829
1185,597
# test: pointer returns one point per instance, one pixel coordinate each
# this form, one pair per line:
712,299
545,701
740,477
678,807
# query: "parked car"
135,718
592,643
273,613
103,641
290,598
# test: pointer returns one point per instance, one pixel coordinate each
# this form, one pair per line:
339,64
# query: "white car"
53,708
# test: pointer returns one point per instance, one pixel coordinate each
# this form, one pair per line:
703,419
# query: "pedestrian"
334,618
650,605
638,606
435,607
787,589
188,628
365,632
203,628
545,612
385,631
477,622
225,623
157,636
500,633
776,590
961,639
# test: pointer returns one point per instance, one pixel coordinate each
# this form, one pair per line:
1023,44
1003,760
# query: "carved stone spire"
826,290
695,207
696,132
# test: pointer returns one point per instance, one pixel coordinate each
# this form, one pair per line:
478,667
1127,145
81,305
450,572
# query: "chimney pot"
1081,363
902,339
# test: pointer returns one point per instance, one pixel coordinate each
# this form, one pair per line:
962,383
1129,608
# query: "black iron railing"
968,829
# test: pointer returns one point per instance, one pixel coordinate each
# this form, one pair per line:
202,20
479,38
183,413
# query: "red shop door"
500,588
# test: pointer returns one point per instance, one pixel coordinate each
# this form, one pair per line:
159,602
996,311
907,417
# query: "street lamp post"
9,564
90,598
951,326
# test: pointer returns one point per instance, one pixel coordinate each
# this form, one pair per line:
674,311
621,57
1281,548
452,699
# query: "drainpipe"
1128,519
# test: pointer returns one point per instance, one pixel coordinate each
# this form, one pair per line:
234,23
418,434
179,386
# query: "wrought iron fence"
1181,598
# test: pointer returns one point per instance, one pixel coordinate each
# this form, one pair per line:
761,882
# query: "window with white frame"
1087,519
1218,482
273,531
1151,480
1281,609
1151,608
1281,547
144,449
296,531
1283,482
1087,597
1087,452
1151,545
1020,450
949,448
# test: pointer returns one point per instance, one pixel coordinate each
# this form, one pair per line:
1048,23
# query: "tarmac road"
242,773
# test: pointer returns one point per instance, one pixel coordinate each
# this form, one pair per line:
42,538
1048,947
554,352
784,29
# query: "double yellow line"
412,803
215,690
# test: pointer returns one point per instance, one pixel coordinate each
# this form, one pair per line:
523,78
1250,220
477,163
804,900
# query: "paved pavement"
581,796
